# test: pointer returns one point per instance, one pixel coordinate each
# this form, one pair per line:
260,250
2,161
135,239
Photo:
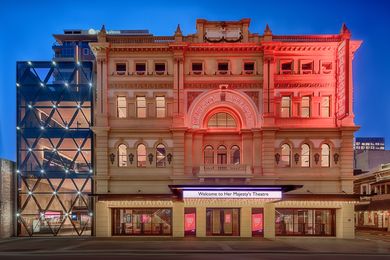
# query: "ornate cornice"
232,84
142,85
304,85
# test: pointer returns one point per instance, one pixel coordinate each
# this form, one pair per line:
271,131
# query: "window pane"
208,155
249,66
222,120
160,107
325,155
197,66
141,155
285,107
235,155
286,155
325,107
305,107
160,156
140,67
141,107
121,107
122,155
305,155
223,66
159,67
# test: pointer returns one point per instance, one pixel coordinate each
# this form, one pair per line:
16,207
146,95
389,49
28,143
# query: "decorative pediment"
223,34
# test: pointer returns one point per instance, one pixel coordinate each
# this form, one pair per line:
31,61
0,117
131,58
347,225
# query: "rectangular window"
159,68
257,222
326,67
249,67
121,104
190,222
222,222
140,68
160,107
286,67
307,67
305,107
197,68
141,107
325,107
285,107
223,67
304,222
142,222
121,68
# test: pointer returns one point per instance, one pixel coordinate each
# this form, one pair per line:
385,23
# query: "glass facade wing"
54,148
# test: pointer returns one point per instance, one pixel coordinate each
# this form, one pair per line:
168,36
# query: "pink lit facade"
224,110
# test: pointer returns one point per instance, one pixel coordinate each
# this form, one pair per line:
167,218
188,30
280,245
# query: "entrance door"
222,157
223,222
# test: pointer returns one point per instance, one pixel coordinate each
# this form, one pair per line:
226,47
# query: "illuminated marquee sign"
231,194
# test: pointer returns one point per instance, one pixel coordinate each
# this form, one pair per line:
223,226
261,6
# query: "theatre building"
224,132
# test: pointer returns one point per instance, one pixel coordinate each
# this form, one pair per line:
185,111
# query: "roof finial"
267,30
102,35
178,31
345,31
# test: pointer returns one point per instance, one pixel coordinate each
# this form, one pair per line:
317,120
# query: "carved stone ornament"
150,157
336,158
296,158
223,34
112,158
316,158
277,158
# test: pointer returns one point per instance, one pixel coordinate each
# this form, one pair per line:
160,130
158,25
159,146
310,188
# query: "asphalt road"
365,246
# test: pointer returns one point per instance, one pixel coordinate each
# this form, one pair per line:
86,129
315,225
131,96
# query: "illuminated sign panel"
231,194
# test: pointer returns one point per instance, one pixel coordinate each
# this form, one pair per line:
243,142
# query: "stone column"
269,220
246,222
178,219
200,221
178,151
268,152
7,198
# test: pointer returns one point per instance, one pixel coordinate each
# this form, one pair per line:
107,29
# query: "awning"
374,205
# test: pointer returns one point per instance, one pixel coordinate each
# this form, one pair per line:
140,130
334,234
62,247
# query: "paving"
367,245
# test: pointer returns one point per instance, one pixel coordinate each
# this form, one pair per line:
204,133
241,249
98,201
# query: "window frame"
164,156
283,107
160,108
328,107
328,155
308,107
139,108
120,72
120,156
305,155
120,107
141,163
288,164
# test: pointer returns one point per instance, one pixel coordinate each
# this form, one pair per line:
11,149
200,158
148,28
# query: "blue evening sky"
27,28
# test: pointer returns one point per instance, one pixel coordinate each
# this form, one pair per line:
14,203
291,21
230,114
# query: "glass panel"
160,107
141,155
122,155
286,156
325,107
190,221
325,155
145,222
122,107
222,120
285,108
222,222
305,107
257,222
308,222
235,155
160,156
305,155
141,107
208,155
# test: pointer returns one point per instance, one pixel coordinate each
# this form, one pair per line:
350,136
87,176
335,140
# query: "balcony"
223,171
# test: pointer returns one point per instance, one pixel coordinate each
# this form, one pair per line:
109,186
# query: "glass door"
223,222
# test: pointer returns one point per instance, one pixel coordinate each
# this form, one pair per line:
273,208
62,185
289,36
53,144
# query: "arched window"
222,120
222,155
305,155
235,155
141,155
122,155
286,155
160,156
325,155
208,155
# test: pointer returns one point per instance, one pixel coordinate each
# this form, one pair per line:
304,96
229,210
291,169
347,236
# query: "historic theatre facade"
224,132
